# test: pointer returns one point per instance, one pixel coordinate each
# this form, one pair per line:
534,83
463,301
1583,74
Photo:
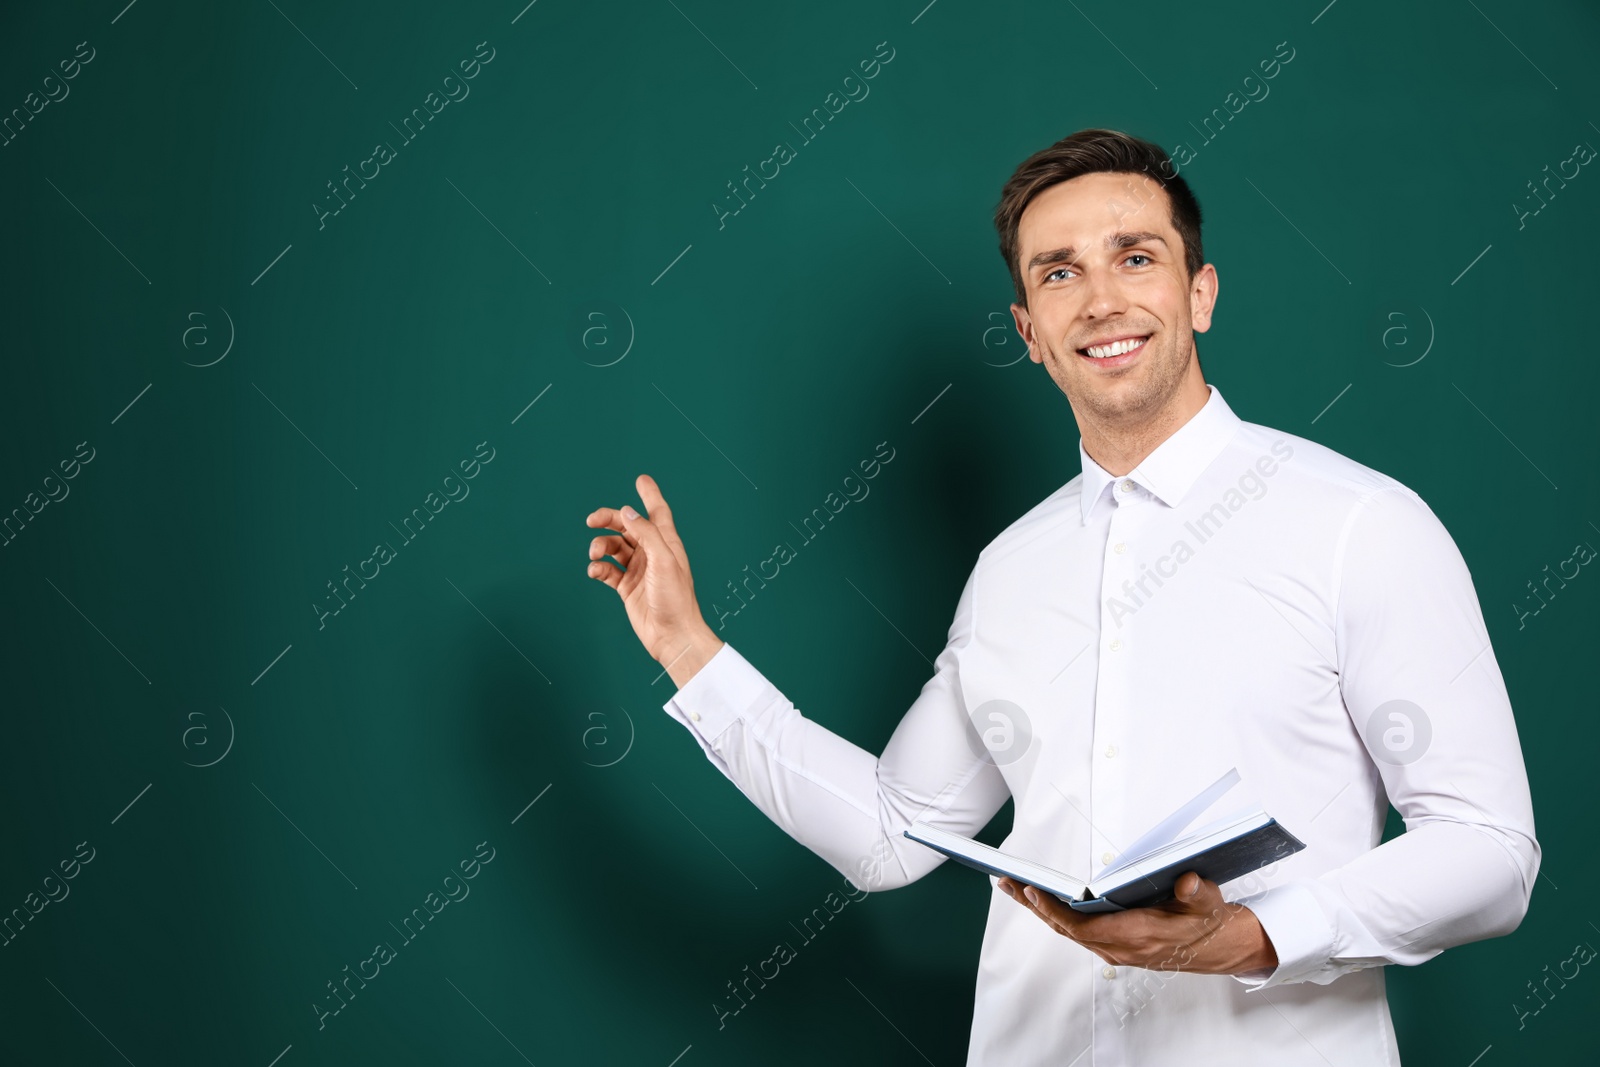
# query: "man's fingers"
611,519
636,531
611,545
634,534
1041,905
642,533
1193,895
1015,891
1051,909
657,526
602,571
656,506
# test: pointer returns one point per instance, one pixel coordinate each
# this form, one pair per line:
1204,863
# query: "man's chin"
1123,398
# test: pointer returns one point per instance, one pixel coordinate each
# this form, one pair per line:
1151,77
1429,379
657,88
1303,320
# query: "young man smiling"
1326,641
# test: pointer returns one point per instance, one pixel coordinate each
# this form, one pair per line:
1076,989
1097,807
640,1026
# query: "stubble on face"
1128,397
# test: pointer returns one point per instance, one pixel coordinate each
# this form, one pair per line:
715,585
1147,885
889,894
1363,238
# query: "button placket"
1107,785
1108,788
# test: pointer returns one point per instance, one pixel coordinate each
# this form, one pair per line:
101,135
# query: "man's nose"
1105,297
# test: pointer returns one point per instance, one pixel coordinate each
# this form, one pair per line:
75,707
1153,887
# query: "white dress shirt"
1243,598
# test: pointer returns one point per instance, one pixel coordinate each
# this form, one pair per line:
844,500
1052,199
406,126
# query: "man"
1207,594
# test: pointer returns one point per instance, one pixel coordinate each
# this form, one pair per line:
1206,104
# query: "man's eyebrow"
1123,239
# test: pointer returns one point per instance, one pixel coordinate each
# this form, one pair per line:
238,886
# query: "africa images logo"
1398,733
1001,732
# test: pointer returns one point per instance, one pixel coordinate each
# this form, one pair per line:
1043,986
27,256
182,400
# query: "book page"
1168,829
993,861
1188,845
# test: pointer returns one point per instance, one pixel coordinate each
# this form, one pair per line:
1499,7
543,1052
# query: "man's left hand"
1197,931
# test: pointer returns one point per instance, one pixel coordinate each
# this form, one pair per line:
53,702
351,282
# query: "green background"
483,670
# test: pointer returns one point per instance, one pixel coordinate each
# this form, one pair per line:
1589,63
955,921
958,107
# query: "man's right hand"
653,581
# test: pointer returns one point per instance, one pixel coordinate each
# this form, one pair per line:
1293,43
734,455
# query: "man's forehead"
1092,207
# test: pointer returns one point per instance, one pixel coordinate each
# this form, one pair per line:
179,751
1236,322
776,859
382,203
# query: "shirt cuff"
1299,931
720,692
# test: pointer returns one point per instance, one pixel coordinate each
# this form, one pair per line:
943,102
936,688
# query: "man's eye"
1052,274
1139,255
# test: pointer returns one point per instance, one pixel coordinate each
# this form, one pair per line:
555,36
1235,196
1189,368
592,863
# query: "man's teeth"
1116,349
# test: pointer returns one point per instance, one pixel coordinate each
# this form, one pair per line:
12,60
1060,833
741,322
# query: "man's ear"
1203,298
1024,322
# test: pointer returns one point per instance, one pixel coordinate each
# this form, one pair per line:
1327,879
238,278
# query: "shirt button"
695,715
1126,487
1116,644
1109,972
1111,752
1121,548
1107,857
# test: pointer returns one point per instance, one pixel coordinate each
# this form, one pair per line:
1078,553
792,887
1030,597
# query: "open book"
1147,871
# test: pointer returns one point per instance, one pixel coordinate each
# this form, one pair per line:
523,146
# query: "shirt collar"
1175,465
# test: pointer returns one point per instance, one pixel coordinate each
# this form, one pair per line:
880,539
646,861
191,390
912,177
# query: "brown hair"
1088,152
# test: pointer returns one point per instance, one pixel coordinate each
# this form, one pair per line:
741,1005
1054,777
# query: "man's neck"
1120,447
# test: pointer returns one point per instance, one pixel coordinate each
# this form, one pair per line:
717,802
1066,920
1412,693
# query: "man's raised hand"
651,575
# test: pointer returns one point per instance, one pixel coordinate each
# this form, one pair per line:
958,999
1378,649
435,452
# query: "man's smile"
1115,351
